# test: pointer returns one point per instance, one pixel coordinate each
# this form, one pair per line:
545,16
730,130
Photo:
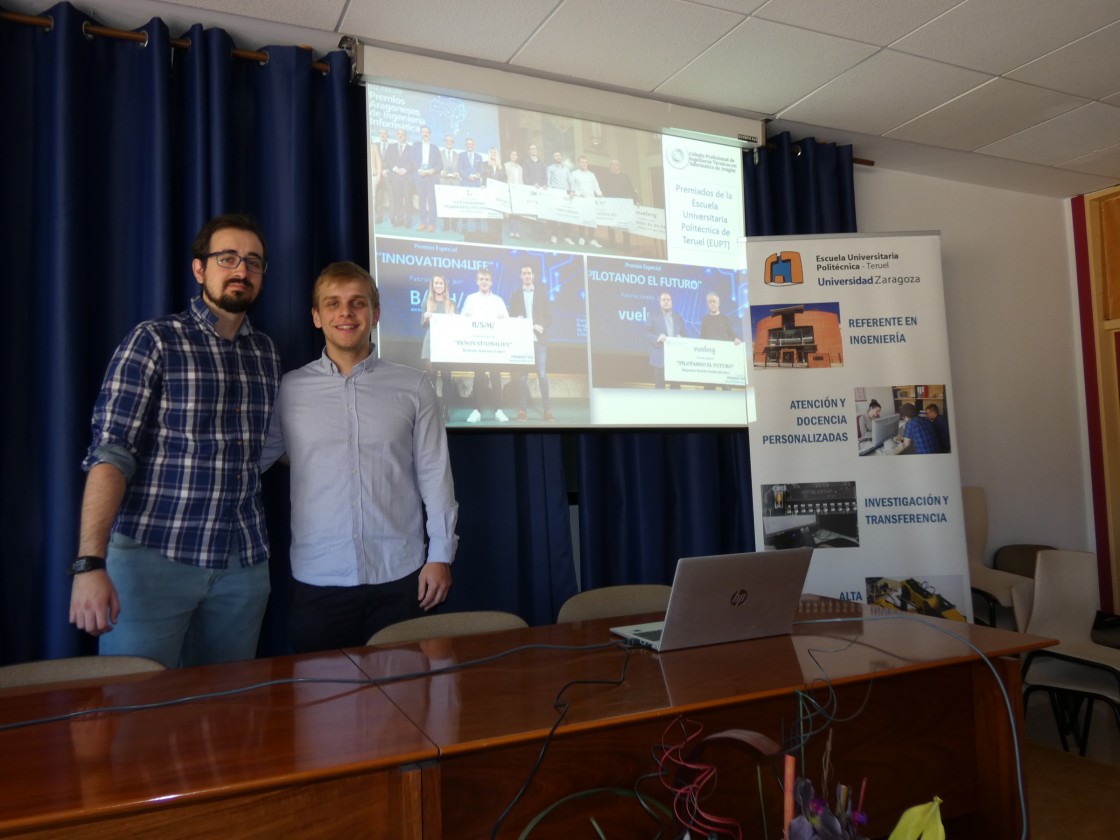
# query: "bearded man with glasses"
172,554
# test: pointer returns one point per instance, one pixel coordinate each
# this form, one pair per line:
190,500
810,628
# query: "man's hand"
435,583
94,605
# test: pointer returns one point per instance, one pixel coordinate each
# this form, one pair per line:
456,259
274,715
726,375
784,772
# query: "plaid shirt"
921,433
184,413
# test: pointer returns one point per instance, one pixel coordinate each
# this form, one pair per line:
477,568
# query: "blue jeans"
183,615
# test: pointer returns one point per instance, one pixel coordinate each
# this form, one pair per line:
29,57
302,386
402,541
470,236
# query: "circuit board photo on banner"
850,363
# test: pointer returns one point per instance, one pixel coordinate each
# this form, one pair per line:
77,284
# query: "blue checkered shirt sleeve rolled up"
192,410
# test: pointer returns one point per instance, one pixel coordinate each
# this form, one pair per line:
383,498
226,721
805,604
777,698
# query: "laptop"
727,598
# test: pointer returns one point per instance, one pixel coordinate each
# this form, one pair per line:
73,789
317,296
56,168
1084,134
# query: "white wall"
1011,301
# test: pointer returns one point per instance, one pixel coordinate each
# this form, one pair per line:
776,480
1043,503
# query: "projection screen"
552,267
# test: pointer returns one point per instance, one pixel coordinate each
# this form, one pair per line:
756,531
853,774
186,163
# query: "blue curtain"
799,187
515,543
649,498
113,155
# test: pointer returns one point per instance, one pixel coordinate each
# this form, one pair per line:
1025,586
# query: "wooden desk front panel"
934,722
243,762
377,805
913,736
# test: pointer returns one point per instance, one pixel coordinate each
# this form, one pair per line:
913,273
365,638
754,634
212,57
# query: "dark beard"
233,304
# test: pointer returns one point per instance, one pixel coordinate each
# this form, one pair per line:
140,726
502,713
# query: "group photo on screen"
453,169
666,325
455,309
524,260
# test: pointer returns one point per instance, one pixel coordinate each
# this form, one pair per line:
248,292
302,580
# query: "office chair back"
1066,596
612,601
1022,599
1077,673
1018,558
442,625
975,502
991,585
74,668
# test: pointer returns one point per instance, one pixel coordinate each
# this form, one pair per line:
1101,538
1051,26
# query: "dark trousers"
659,379
486,392
329,617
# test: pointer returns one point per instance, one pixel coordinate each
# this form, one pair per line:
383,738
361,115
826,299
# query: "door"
1097,234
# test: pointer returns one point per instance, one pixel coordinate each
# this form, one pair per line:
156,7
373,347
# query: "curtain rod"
796,152
142,38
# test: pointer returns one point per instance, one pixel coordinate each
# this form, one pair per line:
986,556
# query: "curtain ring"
85,30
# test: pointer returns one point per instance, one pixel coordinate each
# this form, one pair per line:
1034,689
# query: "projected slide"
552,270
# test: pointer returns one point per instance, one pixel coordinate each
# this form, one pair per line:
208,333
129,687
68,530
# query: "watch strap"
87,563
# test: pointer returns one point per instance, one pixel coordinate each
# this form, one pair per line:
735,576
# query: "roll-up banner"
853,449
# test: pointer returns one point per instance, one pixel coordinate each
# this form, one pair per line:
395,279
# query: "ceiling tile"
1105,162
582,40
1087,67
743,7
869,99
765,67
473,28
317,15
952,165
986,114
996,36
1074,134
872,21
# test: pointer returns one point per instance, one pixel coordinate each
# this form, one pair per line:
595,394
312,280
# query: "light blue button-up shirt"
368,455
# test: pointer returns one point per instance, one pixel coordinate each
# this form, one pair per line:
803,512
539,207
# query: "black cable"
563,709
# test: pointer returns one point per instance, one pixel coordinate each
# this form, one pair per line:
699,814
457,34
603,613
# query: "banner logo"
784,269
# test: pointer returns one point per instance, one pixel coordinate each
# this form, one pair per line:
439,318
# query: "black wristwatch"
86,564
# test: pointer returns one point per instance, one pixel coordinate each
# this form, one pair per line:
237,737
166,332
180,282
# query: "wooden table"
289,760
441,756
916,711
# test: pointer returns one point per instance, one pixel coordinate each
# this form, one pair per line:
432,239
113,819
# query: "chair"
992,585
74,668
1018,558
610,601
442,625
1077,672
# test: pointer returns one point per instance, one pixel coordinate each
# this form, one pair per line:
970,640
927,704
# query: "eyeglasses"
232,259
